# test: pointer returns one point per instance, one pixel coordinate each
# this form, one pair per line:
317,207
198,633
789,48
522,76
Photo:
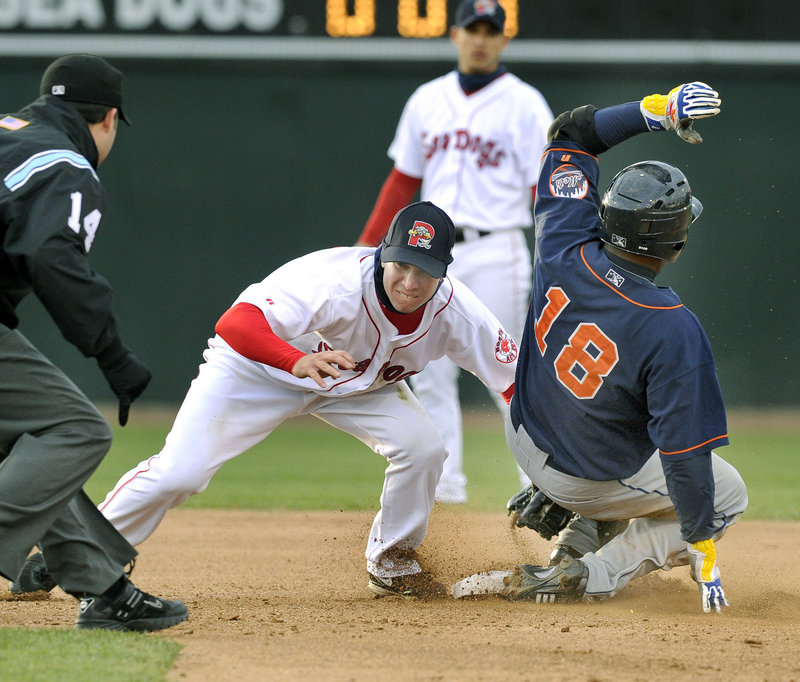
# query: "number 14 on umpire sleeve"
90,223
586,359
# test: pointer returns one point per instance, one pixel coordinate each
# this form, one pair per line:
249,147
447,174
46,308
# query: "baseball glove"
531,508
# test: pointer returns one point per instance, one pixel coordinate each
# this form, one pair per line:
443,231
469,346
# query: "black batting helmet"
647,209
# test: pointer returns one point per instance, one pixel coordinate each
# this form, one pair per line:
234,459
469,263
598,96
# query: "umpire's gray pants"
51,441
653,539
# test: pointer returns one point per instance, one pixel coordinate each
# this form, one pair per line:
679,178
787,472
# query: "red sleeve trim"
508,394
396,193
246,330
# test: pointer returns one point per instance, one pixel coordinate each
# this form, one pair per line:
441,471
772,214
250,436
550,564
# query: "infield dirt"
282,596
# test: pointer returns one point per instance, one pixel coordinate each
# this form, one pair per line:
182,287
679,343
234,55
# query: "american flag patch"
11,123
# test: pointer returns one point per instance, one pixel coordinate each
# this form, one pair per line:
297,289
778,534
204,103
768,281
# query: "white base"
487,582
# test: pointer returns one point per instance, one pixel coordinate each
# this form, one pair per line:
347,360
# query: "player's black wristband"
578,126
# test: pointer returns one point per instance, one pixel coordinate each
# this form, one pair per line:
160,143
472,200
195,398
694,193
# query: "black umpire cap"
84,78
470,11
421,234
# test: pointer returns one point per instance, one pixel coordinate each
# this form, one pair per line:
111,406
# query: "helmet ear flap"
697,208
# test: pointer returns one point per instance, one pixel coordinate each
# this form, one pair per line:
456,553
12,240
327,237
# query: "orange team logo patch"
505,349
12,123
421,234
568,182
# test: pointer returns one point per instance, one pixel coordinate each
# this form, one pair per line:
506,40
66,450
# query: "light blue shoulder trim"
42,161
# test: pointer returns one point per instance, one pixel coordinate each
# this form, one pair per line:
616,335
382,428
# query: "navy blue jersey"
605,349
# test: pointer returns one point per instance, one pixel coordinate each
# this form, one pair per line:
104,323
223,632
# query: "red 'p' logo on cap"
421,234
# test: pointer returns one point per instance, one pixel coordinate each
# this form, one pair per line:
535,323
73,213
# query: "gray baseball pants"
653,538
51,441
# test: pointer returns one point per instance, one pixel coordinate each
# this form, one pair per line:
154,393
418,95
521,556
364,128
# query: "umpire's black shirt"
51,206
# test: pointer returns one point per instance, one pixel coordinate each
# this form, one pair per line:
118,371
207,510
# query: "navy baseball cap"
421,234
84,78
470,11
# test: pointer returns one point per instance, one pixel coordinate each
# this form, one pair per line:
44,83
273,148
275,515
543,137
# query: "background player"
51,436
472,140
335,334
617,402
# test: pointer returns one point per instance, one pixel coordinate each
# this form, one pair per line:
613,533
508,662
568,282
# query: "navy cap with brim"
472,11
400,254
421,234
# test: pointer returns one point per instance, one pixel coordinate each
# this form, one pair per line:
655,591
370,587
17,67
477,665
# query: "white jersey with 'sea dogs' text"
478,154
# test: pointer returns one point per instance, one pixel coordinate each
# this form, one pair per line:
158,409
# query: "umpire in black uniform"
51,437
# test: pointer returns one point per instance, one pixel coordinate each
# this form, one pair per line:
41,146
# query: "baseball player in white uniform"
471,140
335,334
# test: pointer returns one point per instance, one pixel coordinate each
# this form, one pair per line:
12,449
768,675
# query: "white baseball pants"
233,405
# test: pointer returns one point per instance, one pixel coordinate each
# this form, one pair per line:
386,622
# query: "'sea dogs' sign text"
141,15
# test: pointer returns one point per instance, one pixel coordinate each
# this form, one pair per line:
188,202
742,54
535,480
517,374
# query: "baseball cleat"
132,611
565,582
34,577
410,586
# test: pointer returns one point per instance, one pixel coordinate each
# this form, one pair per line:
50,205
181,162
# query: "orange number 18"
589,355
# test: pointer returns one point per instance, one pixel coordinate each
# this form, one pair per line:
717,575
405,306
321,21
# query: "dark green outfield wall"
232,168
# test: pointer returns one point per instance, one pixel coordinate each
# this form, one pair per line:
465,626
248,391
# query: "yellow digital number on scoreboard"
411,25
358,20
342,23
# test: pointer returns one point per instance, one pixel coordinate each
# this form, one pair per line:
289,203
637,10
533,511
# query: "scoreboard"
406,18
279,18
741,20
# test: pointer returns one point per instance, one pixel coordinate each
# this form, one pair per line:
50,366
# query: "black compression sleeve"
618,123
690,483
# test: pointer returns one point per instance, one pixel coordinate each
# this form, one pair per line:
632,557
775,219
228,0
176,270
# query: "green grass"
306,464
78,656
769,464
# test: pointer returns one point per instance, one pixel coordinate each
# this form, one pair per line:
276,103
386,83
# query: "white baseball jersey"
478,154
326,300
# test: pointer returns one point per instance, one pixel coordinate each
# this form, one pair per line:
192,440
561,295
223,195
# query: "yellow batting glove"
703,560
680,108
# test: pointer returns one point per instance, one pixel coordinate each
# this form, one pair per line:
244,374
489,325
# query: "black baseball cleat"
132,610
565,582
34,577
410,586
